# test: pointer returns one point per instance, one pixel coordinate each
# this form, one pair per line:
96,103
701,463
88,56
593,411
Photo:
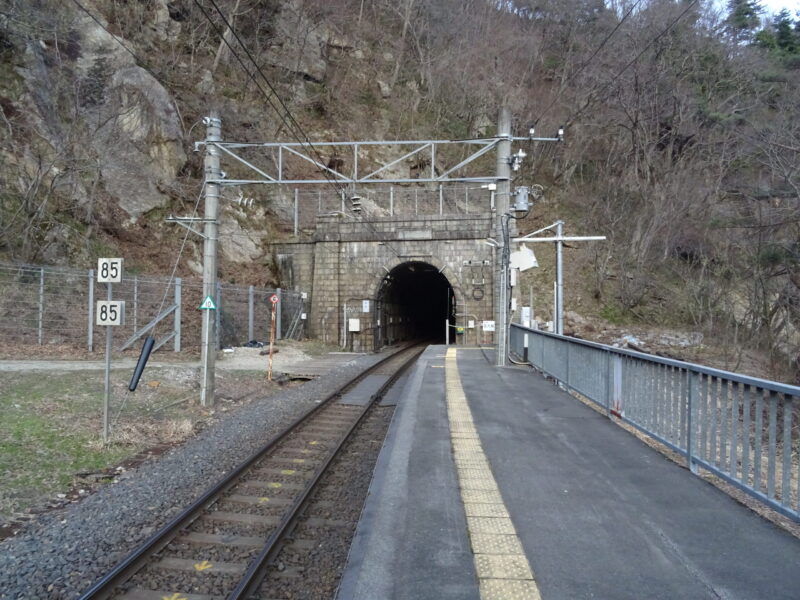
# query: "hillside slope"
683,137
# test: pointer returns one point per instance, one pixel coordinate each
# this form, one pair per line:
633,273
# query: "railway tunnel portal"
394,280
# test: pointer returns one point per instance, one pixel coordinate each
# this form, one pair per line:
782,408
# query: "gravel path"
65,551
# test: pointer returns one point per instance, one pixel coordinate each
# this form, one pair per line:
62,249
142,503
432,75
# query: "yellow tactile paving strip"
502,567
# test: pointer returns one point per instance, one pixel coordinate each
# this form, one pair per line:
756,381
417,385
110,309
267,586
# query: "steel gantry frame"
425,151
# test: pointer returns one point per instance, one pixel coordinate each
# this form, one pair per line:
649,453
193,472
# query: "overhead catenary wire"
295,129
590,100
299,130
587,61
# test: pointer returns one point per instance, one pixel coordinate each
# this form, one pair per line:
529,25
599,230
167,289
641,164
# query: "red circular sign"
274,298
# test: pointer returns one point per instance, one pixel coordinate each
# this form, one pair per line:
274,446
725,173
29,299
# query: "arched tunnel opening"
414,301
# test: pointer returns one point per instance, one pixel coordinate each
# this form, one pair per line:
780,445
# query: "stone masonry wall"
347,261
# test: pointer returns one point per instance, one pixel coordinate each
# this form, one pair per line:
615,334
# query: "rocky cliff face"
122,118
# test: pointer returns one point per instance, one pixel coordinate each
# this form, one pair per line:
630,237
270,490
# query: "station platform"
494,483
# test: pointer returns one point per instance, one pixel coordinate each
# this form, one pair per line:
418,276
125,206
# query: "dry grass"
51,451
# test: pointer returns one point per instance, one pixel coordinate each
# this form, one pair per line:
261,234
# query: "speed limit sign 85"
110,313
109,270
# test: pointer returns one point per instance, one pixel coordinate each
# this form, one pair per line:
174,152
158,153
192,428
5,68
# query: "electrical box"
521,203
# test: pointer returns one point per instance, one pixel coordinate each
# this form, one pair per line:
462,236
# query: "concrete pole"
559,325
90,321
209,334
501,203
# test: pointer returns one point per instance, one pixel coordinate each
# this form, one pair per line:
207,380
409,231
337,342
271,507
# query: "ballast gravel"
64,552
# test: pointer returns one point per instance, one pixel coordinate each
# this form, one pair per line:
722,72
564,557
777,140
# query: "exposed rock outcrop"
299,43
121,118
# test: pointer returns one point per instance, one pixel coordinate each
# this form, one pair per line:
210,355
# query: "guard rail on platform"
743,429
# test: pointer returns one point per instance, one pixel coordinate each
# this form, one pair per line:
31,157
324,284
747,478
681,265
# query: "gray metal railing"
743,429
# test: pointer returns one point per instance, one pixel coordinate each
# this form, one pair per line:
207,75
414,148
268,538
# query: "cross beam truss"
344,162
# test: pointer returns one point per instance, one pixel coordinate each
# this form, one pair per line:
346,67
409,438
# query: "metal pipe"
90,320
296,213
560,278
251,313
41,306
107,376
177,316
135,302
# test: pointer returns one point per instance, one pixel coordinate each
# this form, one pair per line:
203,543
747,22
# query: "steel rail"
255,573
130,565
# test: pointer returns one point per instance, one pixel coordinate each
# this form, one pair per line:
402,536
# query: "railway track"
220,547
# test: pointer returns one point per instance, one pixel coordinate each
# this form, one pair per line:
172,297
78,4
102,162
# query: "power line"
588,61
295,127
180,253
666,30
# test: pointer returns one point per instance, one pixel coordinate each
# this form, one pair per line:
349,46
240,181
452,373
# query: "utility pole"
559,239
212,176
559,316
501,208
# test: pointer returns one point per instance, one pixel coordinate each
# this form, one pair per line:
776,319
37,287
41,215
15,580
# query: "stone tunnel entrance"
414,301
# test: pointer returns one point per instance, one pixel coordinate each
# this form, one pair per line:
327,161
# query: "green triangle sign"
208,304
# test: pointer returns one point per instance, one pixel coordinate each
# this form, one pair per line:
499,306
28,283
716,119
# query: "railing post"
441,200
391,201
617,397
177,346
278,332
251,313
609,379
691,384
525,348
41,305
541,354
90,320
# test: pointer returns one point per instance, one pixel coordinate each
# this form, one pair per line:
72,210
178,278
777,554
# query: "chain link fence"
42,305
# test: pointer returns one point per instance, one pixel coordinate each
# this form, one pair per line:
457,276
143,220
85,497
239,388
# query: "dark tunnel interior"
414,302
